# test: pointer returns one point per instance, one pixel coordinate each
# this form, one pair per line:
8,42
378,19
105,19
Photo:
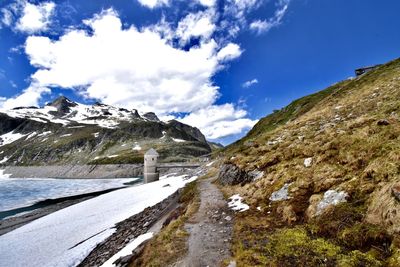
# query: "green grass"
352,153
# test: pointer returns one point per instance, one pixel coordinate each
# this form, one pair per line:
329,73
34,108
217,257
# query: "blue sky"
217,65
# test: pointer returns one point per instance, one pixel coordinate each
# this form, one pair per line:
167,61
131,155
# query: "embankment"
75,171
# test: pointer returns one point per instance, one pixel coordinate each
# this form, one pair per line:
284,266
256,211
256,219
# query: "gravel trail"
210,229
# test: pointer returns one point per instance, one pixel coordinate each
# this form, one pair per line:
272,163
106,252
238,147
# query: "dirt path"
210,229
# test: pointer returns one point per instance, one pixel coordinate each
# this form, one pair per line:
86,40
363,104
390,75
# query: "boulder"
383,122
396,191
308,162
230,174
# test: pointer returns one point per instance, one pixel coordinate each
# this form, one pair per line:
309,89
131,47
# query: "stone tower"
150,166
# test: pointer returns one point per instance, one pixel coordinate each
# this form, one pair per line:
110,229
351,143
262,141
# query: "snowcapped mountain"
64,132
64,111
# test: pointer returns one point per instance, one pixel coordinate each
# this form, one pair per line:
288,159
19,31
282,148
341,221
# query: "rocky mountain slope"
322,178
65,132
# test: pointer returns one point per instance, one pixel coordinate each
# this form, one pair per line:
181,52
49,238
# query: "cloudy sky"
219,65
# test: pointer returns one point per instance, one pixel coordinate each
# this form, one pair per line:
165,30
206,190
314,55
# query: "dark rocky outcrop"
151,116
230,174
63,106
192,131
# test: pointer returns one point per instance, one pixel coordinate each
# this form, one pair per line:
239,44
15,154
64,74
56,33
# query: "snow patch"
281,194
236,203
127,250
31,135
4,160
56,234
3,175
38,119
137,148
10,137
210,164
45,133
65,135
178,140
331,197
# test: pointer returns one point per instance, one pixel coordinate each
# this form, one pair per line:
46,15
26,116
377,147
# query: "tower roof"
151,152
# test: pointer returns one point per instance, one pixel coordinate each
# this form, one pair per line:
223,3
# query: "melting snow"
137,147
237,204
178,140
45,133
210,164
3,175
66,237
10,137
4,160
65,135
31,135
128,249
39,120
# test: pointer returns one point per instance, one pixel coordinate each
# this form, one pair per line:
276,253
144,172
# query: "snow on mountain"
64,111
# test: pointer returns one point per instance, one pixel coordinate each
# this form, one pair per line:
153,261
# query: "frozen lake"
17,193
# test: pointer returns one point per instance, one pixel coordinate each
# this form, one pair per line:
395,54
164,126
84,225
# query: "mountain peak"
151,116
62,104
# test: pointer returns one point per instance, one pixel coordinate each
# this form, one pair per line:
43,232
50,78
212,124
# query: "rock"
312,208
256,175
308,162
230,174
228,218
288,214
331,197
396,191
383,122
281,194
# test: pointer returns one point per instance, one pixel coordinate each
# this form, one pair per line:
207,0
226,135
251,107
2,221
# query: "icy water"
17,192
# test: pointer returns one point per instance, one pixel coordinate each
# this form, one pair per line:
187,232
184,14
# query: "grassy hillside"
342,141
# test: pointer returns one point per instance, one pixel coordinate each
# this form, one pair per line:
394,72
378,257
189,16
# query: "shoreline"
15,218
150,219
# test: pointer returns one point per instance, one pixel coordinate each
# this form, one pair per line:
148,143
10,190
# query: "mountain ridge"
66,132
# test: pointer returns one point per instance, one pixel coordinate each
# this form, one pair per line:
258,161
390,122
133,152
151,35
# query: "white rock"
308,162
281,194
331,197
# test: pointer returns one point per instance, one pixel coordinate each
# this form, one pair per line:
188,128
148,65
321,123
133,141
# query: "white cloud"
35,18
139,69
248,84
207,3
262,26
28,97
153,3
229,52
245,4
7,17
196,25
219,121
